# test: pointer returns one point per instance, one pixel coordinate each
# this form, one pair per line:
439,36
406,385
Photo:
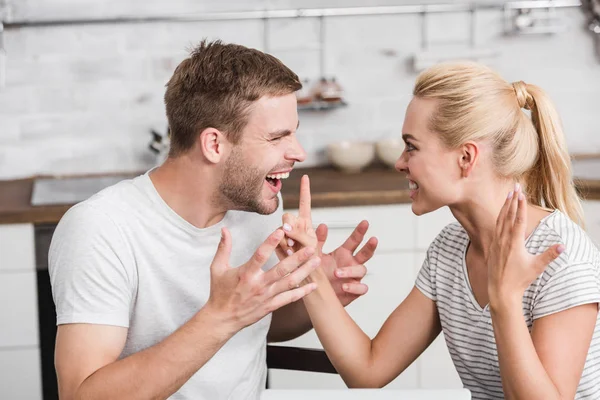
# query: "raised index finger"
304,207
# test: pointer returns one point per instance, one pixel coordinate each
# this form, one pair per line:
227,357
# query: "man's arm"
86,355
87,366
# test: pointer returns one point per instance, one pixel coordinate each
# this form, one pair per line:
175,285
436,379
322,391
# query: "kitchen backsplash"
82,98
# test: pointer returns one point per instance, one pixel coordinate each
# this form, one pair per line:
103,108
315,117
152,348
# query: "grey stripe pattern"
571,280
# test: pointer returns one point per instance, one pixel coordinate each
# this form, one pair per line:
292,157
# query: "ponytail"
549,183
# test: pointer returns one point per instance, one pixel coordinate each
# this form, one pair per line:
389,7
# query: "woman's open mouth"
413,187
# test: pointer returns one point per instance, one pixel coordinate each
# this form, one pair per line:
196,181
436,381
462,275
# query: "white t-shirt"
571,280
125,258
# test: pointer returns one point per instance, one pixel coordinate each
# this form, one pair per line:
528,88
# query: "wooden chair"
298,359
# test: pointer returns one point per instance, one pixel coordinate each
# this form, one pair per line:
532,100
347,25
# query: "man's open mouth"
274,179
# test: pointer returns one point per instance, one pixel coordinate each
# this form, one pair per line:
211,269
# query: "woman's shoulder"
559,228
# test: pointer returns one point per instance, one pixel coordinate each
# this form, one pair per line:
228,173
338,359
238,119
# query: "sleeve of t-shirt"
566,287
426,279
88,266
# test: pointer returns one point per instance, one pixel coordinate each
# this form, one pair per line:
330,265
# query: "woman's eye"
410,147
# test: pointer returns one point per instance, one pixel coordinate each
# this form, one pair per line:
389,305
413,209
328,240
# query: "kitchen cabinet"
20,372
403,241
591,210
391,276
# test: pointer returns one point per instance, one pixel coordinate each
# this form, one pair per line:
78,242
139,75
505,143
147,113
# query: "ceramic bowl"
389,150
351,157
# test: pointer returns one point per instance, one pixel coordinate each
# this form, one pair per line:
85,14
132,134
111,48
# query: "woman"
515,284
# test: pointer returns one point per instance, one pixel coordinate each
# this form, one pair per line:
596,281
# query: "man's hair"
215,87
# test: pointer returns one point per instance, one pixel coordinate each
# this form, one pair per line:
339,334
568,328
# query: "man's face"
264,156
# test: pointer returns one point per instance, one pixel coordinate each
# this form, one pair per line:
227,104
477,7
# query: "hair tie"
524,99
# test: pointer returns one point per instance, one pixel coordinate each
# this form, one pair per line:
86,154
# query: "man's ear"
212,144
469,154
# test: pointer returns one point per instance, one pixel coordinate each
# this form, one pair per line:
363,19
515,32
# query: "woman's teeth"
412,185
279,176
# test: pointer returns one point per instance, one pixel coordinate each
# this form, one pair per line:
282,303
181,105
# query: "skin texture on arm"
548,363
86,355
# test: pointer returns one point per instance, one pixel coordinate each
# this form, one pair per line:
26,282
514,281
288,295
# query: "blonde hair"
475,104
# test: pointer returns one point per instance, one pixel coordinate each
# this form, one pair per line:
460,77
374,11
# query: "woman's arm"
548,363
360,361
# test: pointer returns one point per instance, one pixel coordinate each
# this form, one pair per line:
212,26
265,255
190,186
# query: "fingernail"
560,249
521,196
290,242
287,227
510,194
278,234
309,251
517,186
340,273
345,287
289,252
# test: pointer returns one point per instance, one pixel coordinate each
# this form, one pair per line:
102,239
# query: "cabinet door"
435,366
393,225
428,226
20,375
591,210
390,278
19,311
16,248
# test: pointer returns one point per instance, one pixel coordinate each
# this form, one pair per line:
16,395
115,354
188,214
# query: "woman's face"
433,171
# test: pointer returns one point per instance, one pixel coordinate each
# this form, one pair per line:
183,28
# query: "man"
145,308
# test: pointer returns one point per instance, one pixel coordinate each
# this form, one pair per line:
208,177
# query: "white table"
370,394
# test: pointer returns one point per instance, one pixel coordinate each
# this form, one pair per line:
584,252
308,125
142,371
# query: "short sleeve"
91,272
426,280
567,287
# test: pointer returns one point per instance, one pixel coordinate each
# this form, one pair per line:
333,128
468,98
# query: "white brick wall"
82,98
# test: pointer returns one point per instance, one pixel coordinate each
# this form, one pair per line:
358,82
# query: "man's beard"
242,184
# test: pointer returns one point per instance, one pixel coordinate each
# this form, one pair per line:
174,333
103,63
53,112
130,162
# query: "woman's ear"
469,154
212,144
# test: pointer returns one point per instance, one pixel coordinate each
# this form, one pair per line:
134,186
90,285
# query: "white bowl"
389,150
351,157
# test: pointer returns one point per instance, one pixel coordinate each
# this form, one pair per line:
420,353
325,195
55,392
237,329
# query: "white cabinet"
429,225
393,225
591,211
17,248
436,369
20,374
20,371
18,310
391,276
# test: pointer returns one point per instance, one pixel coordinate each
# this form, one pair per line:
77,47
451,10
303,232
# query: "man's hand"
343,267
244,295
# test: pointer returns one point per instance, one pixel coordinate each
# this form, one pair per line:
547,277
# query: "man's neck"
189,189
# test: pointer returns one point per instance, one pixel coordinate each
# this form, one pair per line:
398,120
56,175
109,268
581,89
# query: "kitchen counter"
376,185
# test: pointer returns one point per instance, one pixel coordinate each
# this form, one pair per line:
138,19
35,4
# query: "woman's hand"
344,267
511,268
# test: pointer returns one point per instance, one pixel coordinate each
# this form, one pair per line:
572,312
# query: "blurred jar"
304,95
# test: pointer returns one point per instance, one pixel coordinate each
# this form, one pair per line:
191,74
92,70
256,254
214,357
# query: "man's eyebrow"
282,132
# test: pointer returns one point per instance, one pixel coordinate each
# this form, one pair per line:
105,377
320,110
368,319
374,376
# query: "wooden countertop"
330,188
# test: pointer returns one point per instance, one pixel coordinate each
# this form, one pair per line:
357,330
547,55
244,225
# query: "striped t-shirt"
572,279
